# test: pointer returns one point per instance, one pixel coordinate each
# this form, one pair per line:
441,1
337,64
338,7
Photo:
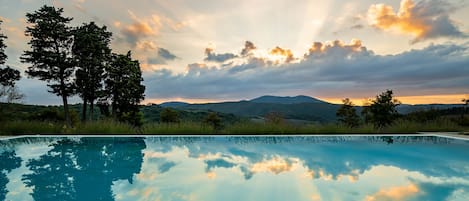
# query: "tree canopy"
382,111
50,53
347,114
124,88
91,54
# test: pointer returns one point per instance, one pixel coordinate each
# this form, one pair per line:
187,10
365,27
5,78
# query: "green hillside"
318,112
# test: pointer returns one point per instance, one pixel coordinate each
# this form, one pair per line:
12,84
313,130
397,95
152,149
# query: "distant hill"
294,108
286,99
174,104
405,109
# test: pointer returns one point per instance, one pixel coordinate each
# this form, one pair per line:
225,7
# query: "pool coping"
437,134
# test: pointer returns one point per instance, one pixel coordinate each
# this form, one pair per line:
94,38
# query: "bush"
169,115
213,120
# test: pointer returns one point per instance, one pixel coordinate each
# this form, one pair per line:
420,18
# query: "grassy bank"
112,127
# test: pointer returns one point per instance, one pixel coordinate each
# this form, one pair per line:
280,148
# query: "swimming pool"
229,168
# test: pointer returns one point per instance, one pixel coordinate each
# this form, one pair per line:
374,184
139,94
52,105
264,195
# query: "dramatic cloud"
283,52
425,20
327,69
217,57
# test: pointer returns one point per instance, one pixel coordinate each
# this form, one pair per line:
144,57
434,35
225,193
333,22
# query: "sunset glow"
216,51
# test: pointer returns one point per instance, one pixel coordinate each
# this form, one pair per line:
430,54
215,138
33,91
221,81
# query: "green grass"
103,127
177,128
111,127
29,127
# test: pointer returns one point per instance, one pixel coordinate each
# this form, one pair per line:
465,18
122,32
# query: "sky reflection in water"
235,168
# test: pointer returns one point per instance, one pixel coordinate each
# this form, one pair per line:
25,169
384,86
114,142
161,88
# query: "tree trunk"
83,114
91,110
66,112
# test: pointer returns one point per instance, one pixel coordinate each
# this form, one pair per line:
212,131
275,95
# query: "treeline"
78,61
382,112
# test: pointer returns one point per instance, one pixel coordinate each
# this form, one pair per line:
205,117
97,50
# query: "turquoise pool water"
298,168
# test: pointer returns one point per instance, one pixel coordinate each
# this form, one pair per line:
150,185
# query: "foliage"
382,111
177,128
29,127
103,127
50,54
133,117
91,53
347,114
169,115
274,118
123,86
213,120
8,76
3,56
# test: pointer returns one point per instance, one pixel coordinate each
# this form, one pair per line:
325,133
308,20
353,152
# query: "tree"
50,53
168,115
213,120
124,88
382,111
8,76
91,53
274,118
347,114
3,56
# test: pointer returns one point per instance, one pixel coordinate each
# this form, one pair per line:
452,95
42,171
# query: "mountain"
174,104
405,109
293,108
286,99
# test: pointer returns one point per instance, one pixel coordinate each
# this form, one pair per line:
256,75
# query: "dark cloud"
327,69
220,58
425,19
166,54
248,47
162,57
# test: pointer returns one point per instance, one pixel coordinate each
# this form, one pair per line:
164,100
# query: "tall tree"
3,56
91,53
382,111
347,114
8,76
50,53
125,89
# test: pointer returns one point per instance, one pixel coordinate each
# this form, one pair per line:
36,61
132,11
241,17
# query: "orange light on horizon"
412,100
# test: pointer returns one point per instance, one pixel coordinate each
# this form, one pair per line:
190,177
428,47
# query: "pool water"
365,168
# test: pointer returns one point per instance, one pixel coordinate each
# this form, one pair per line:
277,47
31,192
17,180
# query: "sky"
211,50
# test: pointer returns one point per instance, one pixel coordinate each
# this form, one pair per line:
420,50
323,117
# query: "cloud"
283,52
328,69
151,54
166,54
248,47
140,28
394,193
426,19
220,58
